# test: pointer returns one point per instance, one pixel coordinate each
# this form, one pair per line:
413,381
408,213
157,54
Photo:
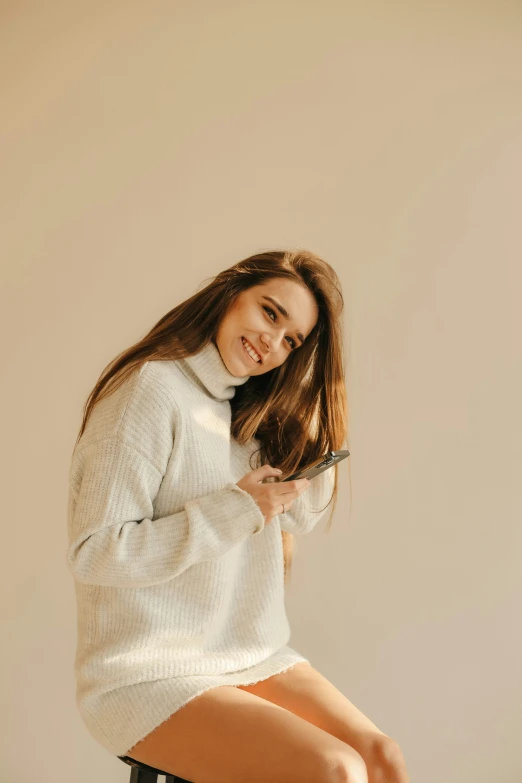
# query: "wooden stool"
142,773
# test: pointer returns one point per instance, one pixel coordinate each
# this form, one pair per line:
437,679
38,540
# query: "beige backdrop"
147,145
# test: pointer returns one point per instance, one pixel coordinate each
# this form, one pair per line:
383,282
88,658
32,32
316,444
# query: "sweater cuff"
255,515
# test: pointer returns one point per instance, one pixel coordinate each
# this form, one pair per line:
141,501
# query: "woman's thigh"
308,694
227,735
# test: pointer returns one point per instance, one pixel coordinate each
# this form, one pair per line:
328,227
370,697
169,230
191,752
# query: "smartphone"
329,460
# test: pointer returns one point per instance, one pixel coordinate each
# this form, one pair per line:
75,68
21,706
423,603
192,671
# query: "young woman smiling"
180,548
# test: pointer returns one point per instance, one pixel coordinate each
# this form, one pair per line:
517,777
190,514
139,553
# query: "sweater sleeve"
309,508
113,539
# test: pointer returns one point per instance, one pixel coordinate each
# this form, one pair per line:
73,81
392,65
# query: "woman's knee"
347,766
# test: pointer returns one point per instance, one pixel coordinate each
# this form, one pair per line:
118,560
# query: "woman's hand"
271,496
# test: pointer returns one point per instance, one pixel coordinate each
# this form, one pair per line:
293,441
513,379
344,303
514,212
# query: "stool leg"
141,776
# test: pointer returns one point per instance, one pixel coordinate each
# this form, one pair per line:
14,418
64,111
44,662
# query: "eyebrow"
283,312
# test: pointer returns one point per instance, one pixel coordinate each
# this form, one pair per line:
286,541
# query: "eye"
269,310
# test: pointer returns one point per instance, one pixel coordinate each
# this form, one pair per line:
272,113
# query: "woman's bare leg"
307,693
227,735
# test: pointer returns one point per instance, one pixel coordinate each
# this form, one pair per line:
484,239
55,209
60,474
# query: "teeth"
251,351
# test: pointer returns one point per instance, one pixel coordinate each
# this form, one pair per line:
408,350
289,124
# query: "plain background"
146,146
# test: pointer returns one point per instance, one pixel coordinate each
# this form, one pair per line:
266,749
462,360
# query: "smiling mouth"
256,361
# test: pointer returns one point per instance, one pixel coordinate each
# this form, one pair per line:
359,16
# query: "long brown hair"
298,411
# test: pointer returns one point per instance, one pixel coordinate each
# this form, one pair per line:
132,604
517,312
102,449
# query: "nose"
272,342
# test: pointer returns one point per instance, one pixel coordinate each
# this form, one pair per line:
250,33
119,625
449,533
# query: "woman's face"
254,318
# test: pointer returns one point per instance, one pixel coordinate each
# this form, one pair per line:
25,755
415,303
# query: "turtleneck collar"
207,369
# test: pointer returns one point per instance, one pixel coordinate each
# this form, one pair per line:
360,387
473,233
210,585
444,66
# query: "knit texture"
178,580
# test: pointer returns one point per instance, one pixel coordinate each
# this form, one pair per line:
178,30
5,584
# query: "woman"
180,547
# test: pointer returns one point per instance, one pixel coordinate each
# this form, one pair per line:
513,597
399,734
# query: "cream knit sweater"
178,580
